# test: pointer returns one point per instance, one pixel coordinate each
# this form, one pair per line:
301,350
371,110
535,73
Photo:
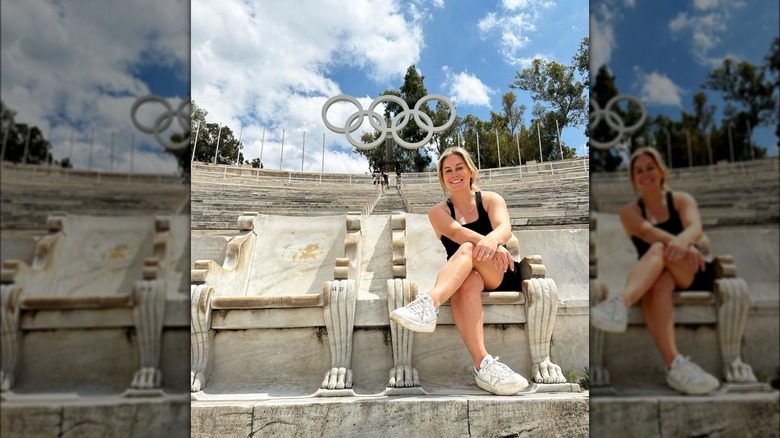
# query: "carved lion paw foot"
147,378
197,381
739,372
337,378
6,381
403,377
547,372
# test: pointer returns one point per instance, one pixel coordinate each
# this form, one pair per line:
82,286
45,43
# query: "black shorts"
703,280
511,281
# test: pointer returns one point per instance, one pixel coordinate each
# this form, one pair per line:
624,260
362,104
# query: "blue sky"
270,66
74,70
661,51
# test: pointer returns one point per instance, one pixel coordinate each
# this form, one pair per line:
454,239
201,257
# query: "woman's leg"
457,268
658,311
649,268
466,306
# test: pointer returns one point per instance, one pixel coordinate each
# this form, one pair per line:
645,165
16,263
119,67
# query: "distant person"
664,226
398,177
473,226
385,180
375,177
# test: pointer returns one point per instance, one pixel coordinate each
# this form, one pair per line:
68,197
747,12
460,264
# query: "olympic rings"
164,120
613,120
376,120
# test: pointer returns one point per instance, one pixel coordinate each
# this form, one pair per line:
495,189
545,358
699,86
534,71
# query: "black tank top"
673,225
481,225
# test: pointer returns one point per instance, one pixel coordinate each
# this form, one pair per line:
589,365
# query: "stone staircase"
389,203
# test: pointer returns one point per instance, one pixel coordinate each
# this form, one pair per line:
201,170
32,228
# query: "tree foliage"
23,143
214,140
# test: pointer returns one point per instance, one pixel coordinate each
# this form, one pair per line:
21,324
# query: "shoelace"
497,369
418,307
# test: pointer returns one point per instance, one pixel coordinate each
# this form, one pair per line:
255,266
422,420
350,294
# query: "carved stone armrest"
237,254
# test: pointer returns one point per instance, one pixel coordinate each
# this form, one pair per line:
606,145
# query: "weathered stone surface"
541,417
628,417
163,417
217,421
723,415
414,416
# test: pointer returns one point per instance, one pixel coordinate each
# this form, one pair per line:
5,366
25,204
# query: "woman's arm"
675,246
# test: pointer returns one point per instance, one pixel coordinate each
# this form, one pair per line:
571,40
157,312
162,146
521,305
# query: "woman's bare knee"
466,249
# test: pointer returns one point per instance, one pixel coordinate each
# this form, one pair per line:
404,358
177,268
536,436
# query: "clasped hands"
680,249
487,249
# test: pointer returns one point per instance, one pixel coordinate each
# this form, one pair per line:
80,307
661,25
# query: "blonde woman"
664,226
473,226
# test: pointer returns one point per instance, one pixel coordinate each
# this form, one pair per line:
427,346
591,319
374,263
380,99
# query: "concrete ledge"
97,416
743,415
548,415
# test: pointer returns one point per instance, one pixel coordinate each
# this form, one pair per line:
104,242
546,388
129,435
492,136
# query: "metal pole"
479,158
195,145
132,151
517,141
262,143
5,140
219,134
558,131
668,147
688,139
111,165
539,136
26,145
750,143
731,144
281,157
70,156
238,152
91,144
322,168
498,148
709,147
303,150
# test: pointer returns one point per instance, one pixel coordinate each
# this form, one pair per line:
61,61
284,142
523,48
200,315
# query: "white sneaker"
494,376
610,315
420,315
688,378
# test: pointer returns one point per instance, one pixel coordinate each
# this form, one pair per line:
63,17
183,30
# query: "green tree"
206,147
23,143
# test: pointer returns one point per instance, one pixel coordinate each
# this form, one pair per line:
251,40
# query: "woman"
665,227
473,227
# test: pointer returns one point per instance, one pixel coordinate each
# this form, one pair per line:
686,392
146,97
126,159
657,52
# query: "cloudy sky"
75,68
269,66
662,50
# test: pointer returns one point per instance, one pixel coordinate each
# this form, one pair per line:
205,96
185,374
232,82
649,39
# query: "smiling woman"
473,226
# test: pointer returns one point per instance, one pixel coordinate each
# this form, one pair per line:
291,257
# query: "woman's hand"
503,259
676,248
485,249
695,258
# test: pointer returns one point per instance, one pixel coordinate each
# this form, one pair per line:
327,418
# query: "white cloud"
659,89
703,28
68,67
602,34
438,3
514,27
253,57
467,89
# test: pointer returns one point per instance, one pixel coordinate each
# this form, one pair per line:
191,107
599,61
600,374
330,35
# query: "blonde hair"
659,162
466,156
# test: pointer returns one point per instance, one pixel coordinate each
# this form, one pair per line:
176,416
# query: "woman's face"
647,175
455,173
